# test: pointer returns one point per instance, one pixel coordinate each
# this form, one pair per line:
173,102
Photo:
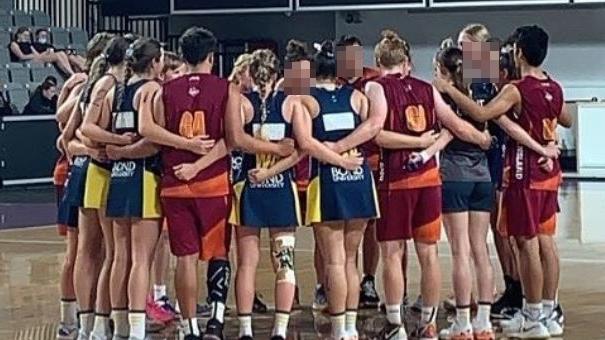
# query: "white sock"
463,317
190,326
338,326
245,325
159,291
393,314
534,311
137,325
351,322
69,313
101,326
120,323
549,307
218,311
87,320
280,327
428,315
483,313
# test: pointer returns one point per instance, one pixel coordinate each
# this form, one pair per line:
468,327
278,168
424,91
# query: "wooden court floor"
30,260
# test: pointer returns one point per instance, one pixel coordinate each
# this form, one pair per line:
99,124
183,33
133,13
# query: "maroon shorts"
410,213
198,225
528,212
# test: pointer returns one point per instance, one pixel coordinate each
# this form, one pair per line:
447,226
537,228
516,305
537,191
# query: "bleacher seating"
19,80
18,97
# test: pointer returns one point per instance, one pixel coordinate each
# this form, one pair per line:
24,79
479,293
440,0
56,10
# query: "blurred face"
25,36
297,78
43,37
50,93
349,61
481,61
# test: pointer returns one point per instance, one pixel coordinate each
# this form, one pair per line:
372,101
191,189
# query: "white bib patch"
124,120
339,121
271,131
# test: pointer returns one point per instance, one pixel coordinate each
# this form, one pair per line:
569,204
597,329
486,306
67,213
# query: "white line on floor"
304,250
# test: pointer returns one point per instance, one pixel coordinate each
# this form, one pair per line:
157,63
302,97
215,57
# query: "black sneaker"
192,337
368,297
246,337
277,337
259,306
509,300
392,332
214,330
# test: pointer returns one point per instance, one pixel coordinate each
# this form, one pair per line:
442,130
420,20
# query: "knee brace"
217,281
283,252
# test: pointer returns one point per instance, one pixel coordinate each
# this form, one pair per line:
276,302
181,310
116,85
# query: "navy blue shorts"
467,196
67,214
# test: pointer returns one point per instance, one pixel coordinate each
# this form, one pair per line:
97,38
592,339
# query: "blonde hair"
391,50
239,67
476,32
264,66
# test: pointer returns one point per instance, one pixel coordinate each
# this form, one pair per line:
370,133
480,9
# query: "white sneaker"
67,332
513,325
352,335
456,332
393,332
555,322
522,328
483,331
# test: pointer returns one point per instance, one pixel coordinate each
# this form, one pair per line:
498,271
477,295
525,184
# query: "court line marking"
305,250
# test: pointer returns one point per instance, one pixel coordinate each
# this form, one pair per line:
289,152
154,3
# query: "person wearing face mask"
22,50
44,99
42,44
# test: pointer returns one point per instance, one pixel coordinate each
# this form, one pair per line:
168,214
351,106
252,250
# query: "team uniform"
67,215
196,211
467,184
274,202
336,194
530,196
410,201
134,184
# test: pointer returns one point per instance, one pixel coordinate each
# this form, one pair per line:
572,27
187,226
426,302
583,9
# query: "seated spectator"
6,109
42,45
22,50
44,99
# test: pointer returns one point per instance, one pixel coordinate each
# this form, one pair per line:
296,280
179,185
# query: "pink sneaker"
157,313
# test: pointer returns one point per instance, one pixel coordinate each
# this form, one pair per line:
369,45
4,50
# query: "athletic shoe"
393,332
277,337
156,311
425,332
509,300
83,335
192,337
449,304
246,337
368,297
164,301
455,332
321,300
259,306
522,328
214,330
483,332
203,310
65,332
417,306
555,323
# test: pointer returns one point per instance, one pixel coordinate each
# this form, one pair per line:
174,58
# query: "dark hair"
96,45
19,31
296,51
324,60
114,54
348,40
171,61
142,53
197,44
450,60
533,42
42,29
49,82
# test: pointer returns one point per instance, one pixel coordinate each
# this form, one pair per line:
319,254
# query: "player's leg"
248,254
101,329
354,232
371,253
120,272
283,242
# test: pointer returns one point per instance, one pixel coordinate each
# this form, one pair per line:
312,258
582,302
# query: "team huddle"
154,143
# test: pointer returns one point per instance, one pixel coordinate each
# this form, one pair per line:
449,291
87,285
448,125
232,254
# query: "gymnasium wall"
576,56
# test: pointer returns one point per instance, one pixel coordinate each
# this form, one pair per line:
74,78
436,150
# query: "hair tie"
130,51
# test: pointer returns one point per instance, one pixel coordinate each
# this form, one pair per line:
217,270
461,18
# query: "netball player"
531,181
265,195
412,108
240,75
467,196
329,114
133,197
158,305
67,215
349,55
